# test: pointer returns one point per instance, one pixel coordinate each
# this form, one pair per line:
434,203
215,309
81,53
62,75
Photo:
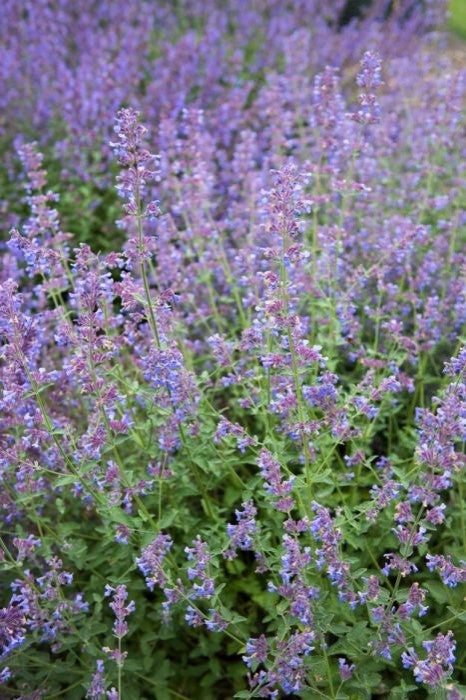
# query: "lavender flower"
193,617
123,534
121,610
437,666
294,587
397,563
215,623
200,557
97,688
328,556
152,558
450,574
256,652
242,534
369,78
290,671
12,628
5,675
274,483
226,428
415,601
345,669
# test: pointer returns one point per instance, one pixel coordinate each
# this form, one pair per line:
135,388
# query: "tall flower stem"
295,371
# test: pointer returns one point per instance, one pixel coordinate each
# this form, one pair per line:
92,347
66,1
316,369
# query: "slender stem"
329,668
152,318
120,667
295,370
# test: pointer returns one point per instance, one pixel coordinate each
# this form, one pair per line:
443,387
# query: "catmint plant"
232,359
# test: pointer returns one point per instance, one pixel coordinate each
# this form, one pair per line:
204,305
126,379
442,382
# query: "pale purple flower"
121,610
346,670
152,558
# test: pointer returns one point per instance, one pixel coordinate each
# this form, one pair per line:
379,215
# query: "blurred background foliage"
353,8
88,209
458,17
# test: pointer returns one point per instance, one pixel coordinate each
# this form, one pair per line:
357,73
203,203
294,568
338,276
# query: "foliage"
458,16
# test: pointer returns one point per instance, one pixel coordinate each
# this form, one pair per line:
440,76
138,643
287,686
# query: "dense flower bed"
232,398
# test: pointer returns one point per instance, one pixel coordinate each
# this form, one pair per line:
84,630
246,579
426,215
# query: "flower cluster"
119,607
328,556
243,533
437,666
198,571
274,483
152,558
450,574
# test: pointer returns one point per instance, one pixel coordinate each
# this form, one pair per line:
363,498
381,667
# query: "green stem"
295,371
152,318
